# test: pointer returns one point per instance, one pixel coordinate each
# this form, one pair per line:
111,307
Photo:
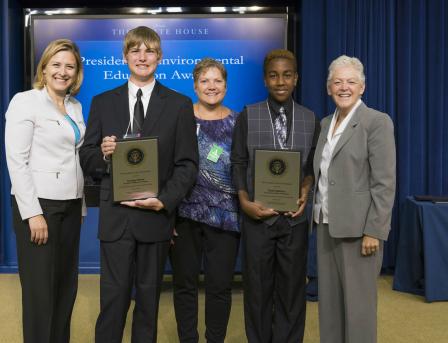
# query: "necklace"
220,116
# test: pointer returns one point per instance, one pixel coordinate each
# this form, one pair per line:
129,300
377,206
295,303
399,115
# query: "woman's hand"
39,229
370,245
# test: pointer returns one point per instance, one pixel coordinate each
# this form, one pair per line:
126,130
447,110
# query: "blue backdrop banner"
240,42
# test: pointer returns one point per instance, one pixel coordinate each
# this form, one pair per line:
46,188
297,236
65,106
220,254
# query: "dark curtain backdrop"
403,46
11,82
3,101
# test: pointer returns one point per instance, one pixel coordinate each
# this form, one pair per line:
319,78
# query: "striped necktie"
280,126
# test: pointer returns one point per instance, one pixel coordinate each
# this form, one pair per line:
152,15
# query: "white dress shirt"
41,151
133,89
321,203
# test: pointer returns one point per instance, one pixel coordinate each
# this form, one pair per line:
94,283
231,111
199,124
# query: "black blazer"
170,117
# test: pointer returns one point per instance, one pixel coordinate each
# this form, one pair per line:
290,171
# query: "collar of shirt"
343,124
275,106
146,90
44,91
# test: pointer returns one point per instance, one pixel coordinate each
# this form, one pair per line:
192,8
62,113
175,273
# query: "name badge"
214,153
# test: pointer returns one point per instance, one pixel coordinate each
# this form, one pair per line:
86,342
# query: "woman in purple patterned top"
207,225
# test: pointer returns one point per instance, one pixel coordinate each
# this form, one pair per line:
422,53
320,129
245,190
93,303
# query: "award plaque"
277,179
135,169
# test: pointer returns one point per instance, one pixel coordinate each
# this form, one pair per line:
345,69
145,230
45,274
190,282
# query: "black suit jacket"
169,117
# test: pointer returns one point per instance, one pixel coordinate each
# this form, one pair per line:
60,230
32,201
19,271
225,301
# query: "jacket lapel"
348,132
121,104
155,108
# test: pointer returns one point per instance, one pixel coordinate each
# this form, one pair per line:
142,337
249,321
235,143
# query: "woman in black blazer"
44,130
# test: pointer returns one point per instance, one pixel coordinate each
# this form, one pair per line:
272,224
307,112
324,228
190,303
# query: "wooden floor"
402,318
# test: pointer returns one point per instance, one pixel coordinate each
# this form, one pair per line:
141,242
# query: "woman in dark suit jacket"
354,166
44,130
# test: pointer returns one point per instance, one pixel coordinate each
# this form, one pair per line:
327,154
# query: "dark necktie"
280,126
138,113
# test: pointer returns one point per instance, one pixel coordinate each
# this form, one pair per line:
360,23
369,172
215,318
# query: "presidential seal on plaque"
277,179
135,171
277,166
135,156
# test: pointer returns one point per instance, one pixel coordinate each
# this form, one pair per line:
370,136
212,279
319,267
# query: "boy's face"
280,79
142,63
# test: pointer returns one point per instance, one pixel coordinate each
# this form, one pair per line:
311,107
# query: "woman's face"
60,73
210,87
345,88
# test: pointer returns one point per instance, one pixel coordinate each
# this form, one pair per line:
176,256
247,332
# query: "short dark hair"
279,53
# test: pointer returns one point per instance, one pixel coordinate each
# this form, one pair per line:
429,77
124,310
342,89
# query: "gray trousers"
347,289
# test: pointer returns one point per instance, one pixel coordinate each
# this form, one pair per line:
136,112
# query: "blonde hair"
139,35
346,61
207,63
52,49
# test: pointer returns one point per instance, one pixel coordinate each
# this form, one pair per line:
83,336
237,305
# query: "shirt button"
332,183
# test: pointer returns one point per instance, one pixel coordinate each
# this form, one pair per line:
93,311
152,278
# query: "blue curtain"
403,46
11,82
3,104
423,97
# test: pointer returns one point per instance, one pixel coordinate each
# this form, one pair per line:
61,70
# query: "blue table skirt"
422,254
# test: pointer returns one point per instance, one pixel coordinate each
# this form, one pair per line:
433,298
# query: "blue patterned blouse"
213,200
